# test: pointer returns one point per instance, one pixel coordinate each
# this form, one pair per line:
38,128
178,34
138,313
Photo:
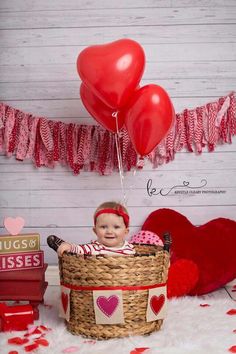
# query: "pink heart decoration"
14,225
156,303
64,301
108,305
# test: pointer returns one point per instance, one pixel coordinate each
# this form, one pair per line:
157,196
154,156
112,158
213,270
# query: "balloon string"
119,158
139,165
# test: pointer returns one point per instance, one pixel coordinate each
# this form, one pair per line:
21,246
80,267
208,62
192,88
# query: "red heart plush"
182,277
212,246
112,71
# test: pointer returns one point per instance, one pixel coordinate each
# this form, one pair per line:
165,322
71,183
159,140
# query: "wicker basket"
149,266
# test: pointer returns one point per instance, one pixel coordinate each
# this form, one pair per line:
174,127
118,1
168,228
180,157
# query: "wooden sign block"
24,285
19,261
20,290
32,274
19,243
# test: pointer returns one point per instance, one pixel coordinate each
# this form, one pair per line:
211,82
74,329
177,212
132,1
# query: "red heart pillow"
211,246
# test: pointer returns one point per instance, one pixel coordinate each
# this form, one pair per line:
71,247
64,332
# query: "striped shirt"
96,248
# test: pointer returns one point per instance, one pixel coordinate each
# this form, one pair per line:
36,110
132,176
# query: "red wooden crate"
24,285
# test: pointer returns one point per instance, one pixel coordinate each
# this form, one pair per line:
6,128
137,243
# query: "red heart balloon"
99,111
112,71
210,246
148,117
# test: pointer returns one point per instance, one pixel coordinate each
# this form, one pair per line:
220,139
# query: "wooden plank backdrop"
190,48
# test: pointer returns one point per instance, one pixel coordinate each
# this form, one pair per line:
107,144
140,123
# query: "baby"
111,226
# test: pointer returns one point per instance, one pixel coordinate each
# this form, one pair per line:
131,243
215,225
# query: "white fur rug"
188,329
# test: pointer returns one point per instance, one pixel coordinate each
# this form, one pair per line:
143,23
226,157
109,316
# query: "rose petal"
36,331
232,349
17,340
44,328
31,347
204,305
13,352
25,340
31,329
89,341
42,342
71,349
231,312
141,350
234,331
33,337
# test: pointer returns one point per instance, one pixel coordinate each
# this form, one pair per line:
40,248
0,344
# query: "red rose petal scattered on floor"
233,290
14,340
89,341
42,342
25,340
234,331
234,287
17,340
204,305
13,352
232,349
31,329
44,328
231,312
31,347
141,350
36,331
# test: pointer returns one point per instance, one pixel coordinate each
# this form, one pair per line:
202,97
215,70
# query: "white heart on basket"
14,225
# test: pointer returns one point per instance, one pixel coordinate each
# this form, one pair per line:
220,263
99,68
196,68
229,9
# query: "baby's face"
110,230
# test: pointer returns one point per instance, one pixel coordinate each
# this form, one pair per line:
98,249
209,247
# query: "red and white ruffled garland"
91,148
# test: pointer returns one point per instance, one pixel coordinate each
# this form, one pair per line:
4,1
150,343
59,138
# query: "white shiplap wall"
190,48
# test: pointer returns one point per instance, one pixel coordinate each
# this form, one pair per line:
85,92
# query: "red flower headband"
118,212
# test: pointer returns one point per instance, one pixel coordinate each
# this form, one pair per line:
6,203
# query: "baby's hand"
64,247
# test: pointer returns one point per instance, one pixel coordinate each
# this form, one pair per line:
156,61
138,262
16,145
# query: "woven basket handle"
167,241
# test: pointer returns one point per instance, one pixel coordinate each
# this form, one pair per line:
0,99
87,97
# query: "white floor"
188,329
